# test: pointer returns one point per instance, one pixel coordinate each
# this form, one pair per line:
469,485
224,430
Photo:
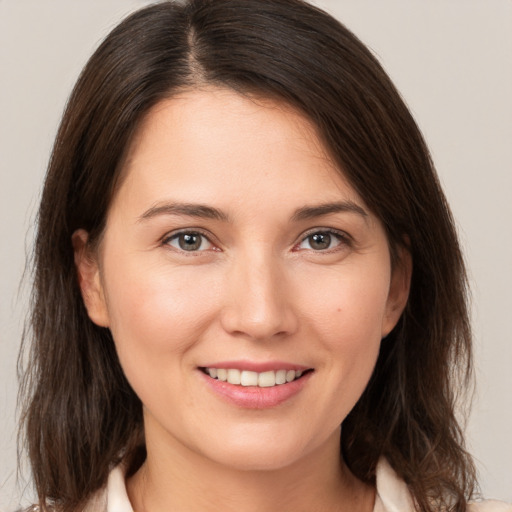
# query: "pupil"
190,242
320,241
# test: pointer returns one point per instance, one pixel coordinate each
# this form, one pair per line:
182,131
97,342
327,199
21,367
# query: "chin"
256,461
257,453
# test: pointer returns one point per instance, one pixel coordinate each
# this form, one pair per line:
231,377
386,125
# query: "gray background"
452,61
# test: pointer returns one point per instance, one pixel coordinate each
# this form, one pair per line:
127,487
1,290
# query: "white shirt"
392,495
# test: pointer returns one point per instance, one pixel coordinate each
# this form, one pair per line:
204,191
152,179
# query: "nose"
259,304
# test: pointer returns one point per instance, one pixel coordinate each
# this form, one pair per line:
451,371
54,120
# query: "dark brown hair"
80,415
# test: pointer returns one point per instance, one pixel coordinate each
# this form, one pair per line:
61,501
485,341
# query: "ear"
398,290
89,280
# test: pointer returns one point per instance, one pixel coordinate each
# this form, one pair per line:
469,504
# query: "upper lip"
256,366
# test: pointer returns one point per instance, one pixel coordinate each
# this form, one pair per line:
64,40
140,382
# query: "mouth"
246,378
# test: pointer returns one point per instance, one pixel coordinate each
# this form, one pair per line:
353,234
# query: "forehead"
192,113
214,144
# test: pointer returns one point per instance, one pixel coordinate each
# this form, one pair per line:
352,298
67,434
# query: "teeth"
267,379
234,376
280,376
247,378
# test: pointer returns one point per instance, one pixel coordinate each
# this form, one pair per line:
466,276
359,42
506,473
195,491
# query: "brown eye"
189,242
322,241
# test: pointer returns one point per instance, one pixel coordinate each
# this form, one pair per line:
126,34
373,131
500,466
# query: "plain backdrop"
452,62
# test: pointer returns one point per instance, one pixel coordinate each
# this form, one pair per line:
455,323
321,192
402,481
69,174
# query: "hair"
80,415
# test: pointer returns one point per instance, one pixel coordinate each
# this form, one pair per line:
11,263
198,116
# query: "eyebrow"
203,211
189,209
311,212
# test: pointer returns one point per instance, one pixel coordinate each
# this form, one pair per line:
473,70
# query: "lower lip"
254,397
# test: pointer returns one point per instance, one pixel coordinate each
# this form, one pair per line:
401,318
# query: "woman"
248,292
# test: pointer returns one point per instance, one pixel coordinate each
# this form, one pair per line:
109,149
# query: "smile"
265,379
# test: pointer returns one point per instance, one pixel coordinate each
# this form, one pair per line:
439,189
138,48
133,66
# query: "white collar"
117,496
392,494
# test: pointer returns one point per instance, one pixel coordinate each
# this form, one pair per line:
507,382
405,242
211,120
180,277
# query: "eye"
189,241
322,241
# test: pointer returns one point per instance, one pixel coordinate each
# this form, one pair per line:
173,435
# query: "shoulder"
489,506
96,503
393,495
113,497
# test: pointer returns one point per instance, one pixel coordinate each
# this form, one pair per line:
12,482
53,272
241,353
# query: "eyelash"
342,237
190,232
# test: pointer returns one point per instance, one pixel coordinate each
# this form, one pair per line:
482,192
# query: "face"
246,285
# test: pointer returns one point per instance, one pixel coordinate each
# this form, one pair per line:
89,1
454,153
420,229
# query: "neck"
178,479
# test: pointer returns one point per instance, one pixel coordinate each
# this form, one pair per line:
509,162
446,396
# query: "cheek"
156,300
156,317
345,314
348,304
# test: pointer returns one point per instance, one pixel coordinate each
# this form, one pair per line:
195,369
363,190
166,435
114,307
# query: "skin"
257,289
